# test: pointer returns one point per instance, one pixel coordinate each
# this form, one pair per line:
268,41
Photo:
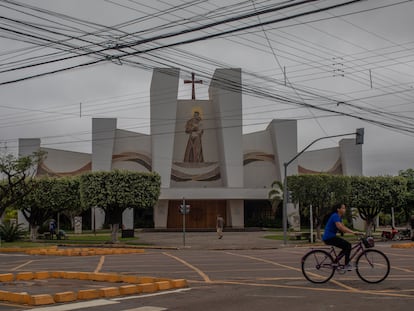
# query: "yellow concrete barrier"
24,276
3,295
41,275
179,283
109,292
20,298
128,289
135,285
163,285
403,245
64,297
88,294
44,299
148,287
6,277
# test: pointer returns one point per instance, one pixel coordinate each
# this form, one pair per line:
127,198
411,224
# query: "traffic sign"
184,209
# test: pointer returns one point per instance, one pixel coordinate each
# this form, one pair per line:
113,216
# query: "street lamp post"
359,140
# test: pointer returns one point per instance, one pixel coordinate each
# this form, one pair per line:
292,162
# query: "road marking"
290,268
78,305
14,255
152,295
266,261
100,264
147,308
201,273
22,265
368,292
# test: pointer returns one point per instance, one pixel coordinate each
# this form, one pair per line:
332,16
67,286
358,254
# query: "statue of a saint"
194,150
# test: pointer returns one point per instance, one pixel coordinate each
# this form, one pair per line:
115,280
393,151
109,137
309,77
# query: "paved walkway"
209,240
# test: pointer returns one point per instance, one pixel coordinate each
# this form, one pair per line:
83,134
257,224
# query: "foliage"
16,174
371,195
276,195
10,232
408,208
321,191
118,190
48,196
69,201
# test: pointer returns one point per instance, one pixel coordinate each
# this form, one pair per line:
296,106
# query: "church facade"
201,154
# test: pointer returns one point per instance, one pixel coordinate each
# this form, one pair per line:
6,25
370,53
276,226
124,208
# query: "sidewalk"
209,240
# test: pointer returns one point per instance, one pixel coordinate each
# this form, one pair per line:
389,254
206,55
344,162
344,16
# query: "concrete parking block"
37,300
6,277
64,297
109,292
89,294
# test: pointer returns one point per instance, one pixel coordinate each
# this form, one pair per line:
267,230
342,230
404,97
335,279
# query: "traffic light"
359,139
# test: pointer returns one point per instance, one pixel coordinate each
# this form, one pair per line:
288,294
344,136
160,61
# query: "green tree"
321,191
48,196
371,195
408,208
16,174
118,190
70,204
276,195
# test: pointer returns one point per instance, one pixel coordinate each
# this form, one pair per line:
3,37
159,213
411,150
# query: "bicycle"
371,265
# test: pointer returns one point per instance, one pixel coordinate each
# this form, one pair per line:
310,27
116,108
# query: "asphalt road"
227,279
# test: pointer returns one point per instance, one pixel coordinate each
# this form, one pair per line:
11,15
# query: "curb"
403,245
128,285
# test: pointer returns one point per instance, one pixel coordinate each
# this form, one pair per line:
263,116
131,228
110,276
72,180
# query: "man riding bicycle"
334,225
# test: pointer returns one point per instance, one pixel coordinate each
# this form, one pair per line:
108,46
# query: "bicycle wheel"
372,266
317,266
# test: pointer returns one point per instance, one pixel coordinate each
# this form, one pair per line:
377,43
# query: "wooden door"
203,214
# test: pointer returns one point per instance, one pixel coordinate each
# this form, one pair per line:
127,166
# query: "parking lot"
227,278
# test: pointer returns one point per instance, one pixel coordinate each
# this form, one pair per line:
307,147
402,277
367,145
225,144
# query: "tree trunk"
115,228
33,233
368,230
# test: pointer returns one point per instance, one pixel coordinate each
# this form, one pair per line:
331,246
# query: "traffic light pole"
359,140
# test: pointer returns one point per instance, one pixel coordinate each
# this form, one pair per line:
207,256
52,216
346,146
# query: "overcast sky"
334,70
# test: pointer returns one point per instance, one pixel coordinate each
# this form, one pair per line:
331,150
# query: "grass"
75,239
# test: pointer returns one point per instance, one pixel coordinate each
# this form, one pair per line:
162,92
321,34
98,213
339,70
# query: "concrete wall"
164,94
225,93
351,155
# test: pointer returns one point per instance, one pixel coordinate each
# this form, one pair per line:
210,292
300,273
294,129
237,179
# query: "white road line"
154,294
78,305
14,255
147,308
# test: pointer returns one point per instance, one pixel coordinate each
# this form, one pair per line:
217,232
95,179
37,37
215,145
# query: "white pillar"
161,214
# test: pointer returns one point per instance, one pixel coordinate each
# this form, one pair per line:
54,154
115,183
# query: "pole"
311,223
285,198
184,212
94,220
285,187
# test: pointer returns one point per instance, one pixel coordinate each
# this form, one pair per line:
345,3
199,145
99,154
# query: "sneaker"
348,267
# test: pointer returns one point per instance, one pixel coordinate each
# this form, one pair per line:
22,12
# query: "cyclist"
334,225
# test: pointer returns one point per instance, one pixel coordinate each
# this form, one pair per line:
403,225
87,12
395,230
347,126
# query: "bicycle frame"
355,250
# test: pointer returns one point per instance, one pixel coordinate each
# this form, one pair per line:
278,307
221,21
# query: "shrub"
10,232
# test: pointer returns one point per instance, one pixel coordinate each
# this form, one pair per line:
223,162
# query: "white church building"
201,154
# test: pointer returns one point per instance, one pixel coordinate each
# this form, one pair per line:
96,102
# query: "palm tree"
276,195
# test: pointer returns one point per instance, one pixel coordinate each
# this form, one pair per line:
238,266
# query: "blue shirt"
330,228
